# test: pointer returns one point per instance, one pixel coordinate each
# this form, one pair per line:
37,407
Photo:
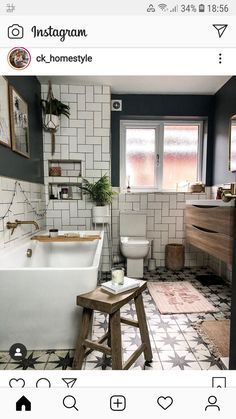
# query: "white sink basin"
211,202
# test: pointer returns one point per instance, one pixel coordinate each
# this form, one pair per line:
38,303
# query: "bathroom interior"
165,147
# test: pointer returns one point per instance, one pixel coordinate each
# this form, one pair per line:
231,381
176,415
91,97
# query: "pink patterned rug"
179,297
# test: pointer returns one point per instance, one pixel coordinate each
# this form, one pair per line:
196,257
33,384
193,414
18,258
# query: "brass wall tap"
14,225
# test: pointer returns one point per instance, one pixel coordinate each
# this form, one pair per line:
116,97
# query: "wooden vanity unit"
210,228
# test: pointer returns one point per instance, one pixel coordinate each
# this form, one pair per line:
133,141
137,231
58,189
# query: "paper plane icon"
220,29
70,382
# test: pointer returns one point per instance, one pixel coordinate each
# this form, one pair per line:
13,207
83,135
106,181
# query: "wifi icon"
163,7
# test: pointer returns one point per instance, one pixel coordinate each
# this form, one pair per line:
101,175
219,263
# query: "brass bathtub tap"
12,226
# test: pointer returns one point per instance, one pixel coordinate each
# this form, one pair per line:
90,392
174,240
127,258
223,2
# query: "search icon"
70,402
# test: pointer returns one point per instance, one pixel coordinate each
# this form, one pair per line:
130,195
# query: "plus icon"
117,403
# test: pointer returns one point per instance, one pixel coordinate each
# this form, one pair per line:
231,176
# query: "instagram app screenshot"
117,209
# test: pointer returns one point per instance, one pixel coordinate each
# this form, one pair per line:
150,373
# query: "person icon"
18,353
212,400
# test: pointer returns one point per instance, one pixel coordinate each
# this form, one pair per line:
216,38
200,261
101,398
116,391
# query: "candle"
53,232
117,276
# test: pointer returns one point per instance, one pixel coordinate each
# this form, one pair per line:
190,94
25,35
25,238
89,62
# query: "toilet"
133,243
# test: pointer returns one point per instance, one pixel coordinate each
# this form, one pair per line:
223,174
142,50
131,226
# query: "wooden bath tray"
48,239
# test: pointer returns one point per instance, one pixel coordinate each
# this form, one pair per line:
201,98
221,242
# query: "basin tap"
228,194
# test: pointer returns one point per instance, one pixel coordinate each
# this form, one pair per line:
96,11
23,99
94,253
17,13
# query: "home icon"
23,404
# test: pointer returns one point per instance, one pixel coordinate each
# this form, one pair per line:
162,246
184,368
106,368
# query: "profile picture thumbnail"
19,58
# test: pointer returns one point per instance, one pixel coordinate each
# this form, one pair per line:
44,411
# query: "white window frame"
158,125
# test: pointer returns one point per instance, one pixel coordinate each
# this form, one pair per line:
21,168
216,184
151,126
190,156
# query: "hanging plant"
53,109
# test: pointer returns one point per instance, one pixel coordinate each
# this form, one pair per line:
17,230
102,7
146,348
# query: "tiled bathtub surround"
84,136
20,209
165,221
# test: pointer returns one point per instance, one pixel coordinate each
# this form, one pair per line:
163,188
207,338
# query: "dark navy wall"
153,106
225,107
12,164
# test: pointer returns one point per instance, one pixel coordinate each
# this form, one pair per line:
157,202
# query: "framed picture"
5,133
19,123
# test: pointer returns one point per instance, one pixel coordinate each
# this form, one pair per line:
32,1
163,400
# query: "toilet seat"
127,241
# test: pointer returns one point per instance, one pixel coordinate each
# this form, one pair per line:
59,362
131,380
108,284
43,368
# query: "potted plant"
102,194
53,108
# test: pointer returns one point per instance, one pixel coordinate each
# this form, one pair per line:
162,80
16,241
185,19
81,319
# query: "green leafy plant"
55,107
99,192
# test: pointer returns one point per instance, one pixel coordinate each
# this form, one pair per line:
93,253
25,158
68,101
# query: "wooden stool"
111,304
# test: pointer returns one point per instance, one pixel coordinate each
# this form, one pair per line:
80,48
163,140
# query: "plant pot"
51,122
101,214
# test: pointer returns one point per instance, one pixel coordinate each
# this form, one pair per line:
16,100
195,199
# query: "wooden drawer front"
216,244
217,219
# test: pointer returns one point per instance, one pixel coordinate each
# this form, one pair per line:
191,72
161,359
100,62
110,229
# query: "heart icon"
165,402
17,383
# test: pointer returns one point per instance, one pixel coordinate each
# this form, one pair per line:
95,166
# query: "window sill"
163,191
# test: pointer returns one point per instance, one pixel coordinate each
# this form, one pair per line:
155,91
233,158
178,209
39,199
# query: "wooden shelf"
58,239
64,180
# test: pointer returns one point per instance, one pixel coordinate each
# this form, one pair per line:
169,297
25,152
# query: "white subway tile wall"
84,136
165,222
20,209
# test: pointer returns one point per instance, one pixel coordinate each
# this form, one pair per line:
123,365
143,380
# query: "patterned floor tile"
181,360
190,366
16,366
96,360
4,358
34,360
168,344
61,360
153,366
139,364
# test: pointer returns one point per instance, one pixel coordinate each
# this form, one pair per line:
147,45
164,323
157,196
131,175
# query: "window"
160,154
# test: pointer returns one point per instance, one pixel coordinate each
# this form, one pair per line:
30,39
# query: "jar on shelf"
64,193
55,171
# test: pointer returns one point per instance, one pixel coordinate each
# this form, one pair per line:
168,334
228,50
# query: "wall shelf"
67,175
55,190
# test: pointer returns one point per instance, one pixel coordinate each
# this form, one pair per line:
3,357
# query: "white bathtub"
38,294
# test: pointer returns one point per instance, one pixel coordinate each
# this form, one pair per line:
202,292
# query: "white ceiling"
196,85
